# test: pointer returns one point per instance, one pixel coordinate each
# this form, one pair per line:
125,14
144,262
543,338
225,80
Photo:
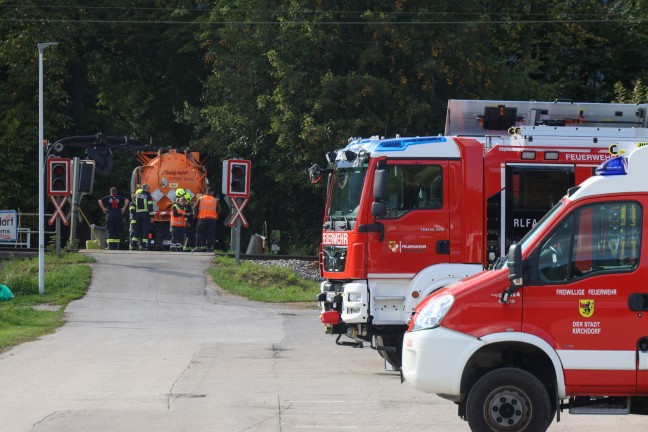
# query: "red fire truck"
407,216
562,323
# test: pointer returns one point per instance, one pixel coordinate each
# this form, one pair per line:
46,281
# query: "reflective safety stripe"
143,203
207,207
178,221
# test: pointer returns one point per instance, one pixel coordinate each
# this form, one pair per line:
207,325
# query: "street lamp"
41,174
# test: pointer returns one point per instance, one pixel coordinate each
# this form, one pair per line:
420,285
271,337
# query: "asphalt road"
155,347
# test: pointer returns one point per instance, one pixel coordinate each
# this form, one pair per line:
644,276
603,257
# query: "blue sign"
8,226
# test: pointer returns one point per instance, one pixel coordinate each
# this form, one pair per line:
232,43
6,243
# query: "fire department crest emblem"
393,246
586,308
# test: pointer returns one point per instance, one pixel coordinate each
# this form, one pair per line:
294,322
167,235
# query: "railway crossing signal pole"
236,188
58,190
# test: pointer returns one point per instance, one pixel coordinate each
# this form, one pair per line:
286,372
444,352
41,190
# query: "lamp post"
41,174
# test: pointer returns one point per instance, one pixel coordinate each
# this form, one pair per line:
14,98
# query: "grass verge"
266,284
67,278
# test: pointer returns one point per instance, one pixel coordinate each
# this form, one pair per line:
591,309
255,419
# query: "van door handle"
638,302
443,247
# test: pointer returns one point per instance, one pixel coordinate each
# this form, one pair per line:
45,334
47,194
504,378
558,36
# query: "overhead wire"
325,23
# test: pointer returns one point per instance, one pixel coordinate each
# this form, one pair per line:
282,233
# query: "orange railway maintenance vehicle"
166,171
407,216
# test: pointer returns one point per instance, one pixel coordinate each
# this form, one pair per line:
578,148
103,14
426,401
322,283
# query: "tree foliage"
283,82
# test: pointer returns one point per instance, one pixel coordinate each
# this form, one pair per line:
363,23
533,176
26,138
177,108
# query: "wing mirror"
379,208
515,268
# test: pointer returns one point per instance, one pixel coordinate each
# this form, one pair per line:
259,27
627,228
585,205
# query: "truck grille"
334,258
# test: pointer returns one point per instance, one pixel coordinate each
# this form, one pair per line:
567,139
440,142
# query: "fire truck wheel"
508,399
393,358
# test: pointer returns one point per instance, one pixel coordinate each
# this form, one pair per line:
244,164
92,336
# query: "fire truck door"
417,221
576,292
531,191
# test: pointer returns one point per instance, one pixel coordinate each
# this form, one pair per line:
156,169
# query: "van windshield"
532,234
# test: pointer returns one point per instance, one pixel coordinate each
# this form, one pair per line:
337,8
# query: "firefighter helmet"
180,192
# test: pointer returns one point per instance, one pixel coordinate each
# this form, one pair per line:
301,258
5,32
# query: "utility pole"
41,176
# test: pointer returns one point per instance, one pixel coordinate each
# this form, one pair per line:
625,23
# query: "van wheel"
393,358
510,400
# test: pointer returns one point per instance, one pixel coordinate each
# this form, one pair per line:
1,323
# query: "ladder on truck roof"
623,139
493,118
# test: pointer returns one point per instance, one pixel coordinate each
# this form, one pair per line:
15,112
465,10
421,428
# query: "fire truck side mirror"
379,208
515,266
380,184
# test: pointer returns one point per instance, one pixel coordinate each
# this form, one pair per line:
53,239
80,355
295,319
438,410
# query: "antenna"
409,119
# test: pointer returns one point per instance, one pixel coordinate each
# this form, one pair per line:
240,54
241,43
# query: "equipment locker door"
416,226
580,280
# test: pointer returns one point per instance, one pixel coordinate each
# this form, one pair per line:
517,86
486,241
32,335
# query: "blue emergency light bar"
400,144
614,166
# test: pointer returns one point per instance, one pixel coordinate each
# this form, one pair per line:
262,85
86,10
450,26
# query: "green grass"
66,278
266,284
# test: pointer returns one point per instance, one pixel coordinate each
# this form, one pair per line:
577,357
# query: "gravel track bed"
305,269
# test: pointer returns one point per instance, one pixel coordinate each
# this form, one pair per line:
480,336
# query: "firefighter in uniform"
131,217
113,206
190,228
178,221
206,209
142,211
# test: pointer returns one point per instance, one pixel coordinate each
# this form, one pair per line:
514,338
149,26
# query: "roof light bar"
614,166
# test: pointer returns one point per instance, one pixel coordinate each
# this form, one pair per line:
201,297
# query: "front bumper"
434,359
349,299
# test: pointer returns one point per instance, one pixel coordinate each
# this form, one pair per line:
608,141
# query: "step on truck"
561,323
407,216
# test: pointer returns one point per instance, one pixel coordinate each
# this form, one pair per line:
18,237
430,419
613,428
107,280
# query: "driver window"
414,187
553,265
606,238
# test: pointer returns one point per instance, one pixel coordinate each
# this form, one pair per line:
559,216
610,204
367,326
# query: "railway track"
10,253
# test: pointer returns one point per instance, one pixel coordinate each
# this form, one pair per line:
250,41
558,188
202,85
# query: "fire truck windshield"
346,191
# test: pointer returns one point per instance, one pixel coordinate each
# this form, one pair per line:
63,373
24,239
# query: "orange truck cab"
561,323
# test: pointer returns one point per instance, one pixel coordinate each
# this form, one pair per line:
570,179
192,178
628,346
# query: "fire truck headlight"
431,315
354,297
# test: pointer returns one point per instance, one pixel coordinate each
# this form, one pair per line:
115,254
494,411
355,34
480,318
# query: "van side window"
414,187
605,238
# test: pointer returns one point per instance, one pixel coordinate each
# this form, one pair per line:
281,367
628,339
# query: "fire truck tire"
393,358
508,399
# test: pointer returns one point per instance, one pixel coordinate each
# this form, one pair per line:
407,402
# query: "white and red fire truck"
407,216
562,323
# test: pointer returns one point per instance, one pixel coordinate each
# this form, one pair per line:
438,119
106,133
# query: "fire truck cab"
561,323
407,216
